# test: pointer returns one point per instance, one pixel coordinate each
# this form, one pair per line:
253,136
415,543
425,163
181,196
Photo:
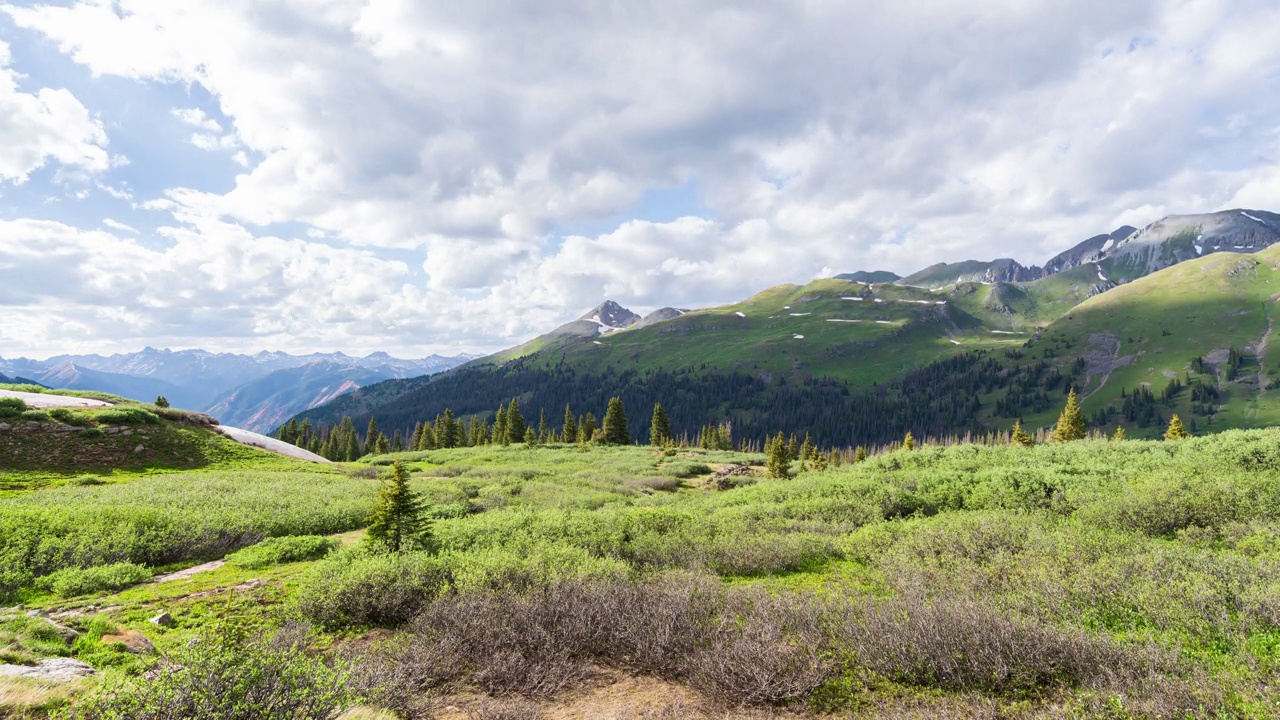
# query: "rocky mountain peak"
609,315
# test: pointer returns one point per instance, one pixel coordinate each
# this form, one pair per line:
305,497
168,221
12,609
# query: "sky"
360,175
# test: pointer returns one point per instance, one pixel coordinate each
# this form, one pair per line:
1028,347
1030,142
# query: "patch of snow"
879,300
41,400
597,342
1107,245
939,302
1005,332
885,322
799,314
1255,219
740,314
955,342
604,327
797,337
841,320
1199,249
786,307
852,298
268,443
1102,277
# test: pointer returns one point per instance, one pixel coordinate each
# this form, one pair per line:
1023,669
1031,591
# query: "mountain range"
250,391
961,347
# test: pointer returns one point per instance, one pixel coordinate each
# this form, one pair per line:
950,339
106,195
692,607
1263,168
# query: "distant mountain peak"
610,316
870,277
379,355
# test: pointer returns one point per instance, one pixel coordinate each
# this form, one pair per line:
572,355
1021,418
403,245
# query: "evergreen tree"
371,436
397,442
1018,436
1119,434
428,441
530,437
859,454
162,402
908,441
415,440
807,451
1176,430
778,457
396,523
615,424
449,431
569,431
542,426
1070,422
500,427
589,426
381,446
659,427
515,422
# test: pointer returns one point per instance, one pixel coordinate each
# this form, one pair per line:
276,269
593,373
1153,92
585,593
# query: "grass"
1058,576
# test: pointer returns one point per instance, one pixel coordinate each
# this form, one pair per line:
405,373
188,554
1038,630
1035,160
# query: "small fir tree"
859,454
778,457
1071,421
659,427
1018,436
396,523
163,402
615,424
1176,429
1119,434
542,426
909,441
500,426
569,430
515,422
530,437
807,451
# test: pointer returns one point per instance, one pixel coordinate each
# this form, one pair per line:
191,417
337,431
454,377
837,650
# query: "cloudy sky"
444,177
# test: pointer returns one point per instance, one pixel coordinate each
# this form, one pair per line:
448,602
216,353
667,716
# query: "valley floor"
1127,579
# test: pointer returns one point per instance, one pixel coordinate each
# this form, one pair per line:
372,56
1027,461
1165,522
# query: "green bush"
35,416
11,407
90,433
72,582
686,469
281,678
277,550
357,586
67,417
126,416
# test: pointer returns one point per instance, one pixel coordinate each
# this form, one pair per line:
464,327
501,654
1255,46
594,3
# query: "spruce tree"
449,434
659,427
908,441
859,454
415,440
381,446
615,424
500,426
1176,429
530,437
806,452
396,523
1018,436
371,436
515,423
1070,422
542,426
569,431
1119,434
163,402
397,442
589,426
778,457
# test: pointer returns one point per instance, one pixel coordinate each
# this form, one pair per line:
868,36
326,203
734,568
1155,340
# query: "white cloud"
820,136
42,125
117,225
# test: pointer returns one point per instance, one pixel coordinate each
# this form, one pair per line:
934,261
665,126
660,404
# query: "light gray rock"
55,669
164,619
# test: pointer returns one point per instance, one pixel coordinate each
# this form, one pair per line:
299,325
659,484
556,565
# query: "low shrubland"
1089,579
73,581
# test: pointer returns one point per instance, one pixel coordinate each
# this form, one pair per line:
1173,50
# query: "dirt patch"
184,574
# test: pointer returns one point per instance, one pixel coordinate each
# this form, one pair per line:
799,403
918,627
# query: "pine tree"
371,437
1119,434
569,431
1019,436
500,426
615,424
415,440
589,426
1070,422
163,402
448,431
659,427
397,442
428,441
542,426
530,437
515,423
396,523
807,451
909,442
381,446
1176,430
778,457
859,454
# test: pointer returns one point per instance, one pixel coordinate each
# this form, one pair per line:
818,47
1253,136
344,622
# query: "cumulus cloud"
475,137
42,125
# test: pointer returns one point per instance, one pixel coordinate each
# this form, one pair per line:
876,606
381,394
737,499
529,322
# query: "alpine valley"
1174,317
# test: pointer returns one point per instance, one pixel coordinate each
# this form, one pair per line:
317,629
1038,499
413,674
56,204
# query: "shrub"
685,470
35,416
90,433
86,581
274,551
126,416
66,417
357,586
281,678
11,407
